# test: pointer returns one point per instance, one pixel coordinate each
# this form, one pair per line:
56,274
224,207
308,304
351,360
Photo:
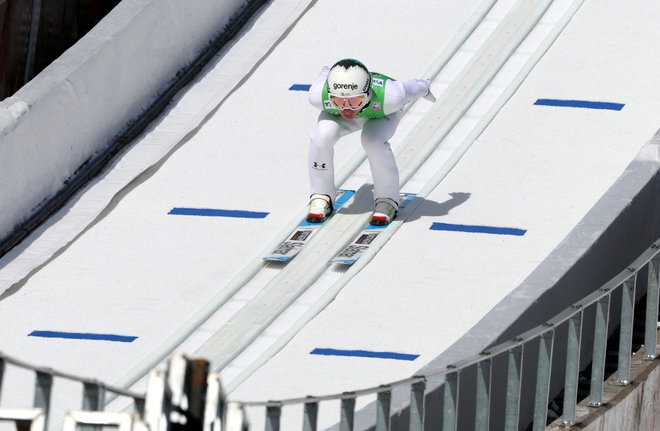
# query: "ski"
351,253
289,248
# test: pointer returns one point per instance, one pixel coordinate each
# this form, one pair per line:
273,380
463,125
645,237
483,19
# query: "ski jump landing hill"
535,175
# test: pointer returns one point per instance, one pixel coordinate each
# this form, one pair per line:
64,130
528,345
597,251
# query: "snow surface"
138,271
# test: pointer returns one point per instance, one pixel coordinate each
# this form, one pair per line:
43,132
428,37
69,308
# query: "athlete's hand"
427,83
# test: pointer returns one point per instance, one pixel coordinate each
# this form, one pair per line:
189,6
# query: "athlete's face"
354,103
349,106
348,114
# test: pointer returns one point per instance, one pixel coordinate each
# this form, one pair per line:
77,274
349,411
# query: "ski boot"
319,208
386,210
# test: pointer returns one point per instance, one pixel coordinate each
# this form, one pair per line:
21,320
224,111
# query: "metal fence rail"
618,294
183,395
93,394
187,395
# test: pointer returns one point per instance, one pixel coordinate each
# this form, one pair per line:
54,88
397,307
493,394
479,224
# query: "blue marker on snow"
83,336
208,212
300,87
364,354
478,229
580,104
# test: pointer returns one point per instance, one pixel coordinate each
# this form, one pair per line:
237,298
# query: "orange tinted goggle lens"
352,102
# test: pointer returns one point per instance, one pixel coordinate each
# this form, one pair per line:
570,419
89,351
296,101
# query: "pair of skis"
362,242
290,247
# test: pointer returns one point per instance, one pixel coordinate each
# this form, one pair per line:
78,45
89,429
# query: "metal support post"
44,384
543,380
513,381
651,326
347,412
311,415
482,415
625,331
383,410
139,404
93,401
273,414
572,366
599,351
417,406
93,397
450,401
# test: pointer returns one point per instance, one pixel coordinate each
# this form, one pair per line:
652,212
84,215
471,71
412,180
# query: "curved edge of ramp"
191,108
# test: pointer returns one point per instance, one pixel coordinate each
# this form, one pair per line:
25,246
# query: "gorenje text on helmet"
336,86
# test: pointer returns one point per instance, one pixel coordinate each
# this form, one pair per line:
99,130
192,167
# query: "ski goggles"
352,103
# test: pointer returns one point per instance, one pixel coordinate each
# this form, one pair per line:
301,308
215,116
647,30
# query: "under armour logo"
319,165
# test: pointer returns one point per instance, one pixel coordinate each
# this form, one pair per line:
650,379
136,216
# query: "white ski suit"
376,133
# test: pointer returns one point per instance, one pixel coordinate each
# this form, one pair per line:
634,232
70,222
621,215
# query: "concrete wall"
74,108
635,407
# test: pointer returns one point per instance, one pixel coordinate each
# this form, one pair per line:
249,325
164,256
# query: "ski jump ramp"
542,106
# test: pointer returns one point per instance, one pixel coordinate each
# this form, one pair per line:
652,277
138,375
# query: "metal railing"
93,394
187,395
542,338
184,394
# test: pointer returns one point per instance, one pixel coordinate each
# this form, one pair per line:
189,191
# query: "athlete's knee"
320,144
322,138
375,145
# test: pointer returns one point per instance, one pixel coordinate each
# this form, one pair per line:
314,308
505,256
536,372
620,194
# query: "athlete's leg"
321,152
375,136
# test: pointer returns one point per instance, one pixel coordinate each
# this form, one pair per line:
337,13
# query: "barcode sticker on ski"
352,252
289,248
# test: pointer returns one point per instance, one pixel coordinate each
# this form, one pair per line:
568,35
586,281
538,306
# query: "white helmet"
348,77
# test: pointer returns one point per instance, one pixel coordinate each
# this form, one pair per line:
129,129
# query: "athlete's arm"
395,96
398,93
417,88
315,95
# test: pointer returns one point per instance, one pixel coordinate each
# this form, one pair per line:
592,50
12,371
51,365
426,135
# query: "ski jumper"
378,121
